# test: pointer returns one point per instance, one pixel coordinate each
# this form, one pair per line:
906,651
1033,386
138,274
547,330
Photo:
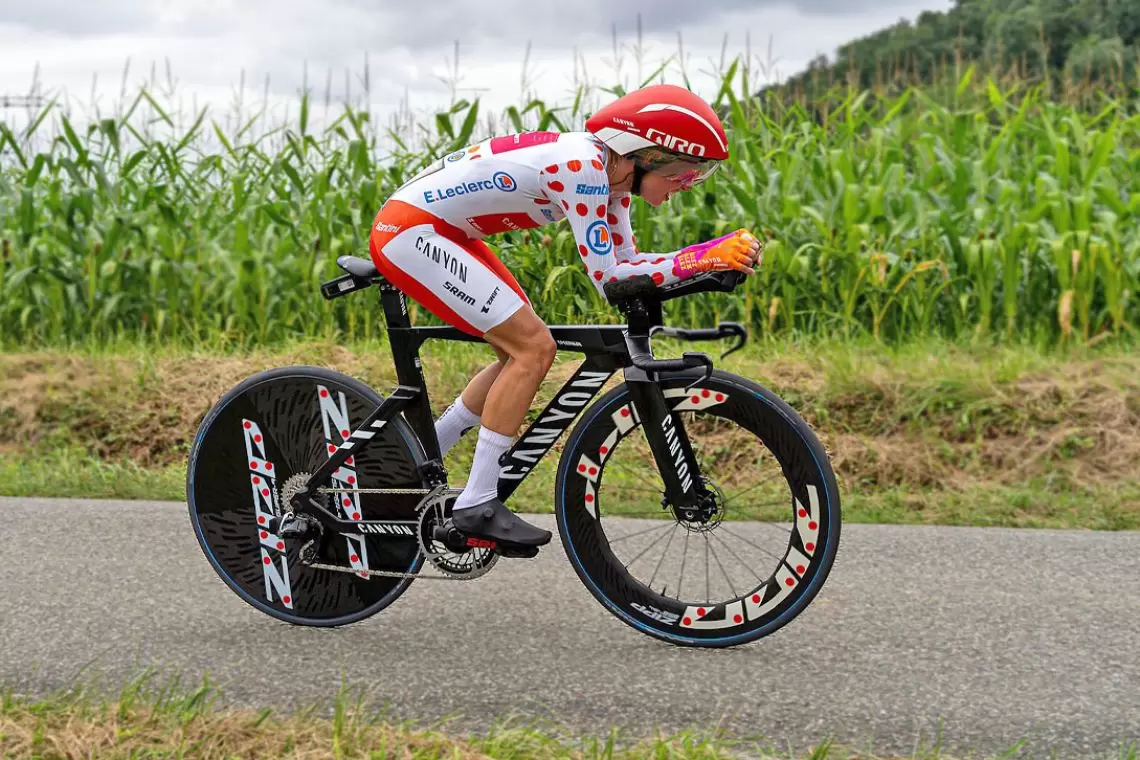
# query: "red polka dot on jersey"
800,569
582,250
257,439
696,399
803,513
589,497
344,434
256,480
618,239
597,164
706,393
253,465
324,393
625,201
556,186
355,515
280,545
581,468
261,521
266,560
603,450
611,219
581,209
737,619
348,461
601,211
248,426
347,501
553,169
613,279
813,525
625,412
756,599
658,261
286,599
687,621
700,611
789,582
574,166
809,546
658,278
264,534
720,397
331,448
565,205
269,465
593,470
264,491
598,276
354,558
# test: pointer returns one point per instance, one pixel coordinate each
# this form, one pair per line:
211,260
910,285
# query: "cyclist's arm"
607,250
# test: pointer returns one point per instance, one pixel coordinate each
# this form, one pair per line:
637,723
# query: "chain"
386,573
375,490
446,576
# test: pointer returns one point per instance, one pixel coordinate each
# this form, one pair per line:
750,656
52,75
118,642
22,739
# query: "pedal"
514,551
450,536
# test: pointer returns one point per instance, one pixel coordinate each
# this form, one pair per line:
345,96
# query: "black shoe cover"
492,520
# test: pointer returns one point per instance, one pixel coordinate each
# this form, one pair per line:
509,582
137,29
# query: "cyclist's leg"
457,279
463,283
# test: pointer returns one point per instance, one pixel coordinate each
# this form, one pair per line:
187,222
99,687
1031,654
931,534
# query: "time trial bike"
694,504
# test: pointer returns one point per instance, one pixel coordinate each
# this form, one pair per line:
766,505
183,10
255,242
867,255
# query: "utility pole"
8,102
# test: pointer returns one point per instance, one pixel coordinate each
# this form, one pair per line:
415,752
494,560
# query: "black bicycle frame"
607,349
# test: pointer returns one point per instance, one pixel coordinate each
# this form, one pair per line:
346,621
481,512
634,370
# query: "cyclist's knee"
546,348
536,348
526,339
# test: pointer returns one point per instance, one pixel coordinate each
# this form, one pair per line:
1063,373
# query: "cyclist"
427,240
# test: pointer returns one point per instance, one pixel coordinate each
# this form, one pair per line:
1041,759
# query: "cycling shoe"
493,521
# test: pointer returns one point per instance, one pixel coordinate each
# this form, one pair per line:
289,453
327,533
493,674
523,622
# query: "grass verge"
157,718
926,433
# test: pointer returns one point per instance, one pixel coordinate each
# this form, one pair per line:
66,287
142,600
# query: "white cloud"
409,46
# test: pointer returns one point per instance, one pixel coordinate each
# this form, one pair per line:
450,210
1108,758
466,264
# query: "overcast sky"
410,44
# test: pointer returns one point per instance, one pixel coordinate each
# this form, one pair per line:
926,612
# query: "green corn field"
980,208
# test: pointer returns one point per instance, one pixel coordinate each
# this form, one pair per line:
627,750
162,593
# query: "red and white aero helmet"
663,124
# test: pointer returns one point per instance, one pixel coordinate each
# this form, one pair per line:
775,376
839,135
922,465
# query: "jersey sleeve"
600,223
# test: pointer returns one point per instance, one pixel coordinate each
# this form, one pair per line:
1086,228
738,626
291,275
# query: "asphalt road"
982,636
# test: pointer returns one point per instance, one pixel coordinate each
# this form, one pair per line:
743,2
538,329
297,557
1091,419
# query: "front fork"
669,442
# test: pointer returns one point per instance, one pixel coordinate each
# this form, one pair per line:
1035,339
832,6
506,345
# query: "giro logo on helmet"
674,143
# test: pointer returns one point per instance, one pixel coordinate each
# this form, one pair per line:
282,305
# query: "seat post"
395,306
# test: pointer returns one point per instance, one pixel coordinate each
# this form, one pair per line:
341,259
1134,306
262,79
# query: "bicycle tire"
760,611
267,428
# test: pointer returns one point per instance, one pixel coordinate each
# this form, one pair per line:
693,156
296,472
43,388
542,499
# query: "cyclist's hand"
738,251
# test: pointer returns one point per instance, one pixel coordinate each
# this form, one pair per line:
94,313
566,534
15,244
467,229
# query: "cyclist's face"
657,187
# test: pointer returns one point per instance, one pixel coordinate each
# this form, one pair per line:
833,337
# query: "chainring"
464,565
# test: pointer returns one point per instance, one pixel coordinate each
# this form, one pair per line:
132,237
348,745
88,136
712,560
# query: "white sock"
484,481
456,420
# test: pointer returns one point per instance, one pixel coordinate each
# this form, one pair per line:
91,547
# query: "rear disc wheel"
262,433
